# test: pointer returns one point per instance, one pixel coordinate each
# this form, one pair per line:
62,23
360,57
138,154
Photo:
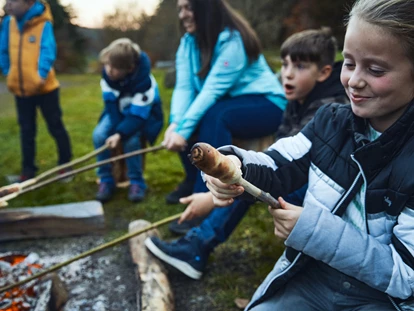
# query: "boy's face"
377,74
18,8
298,78
115,74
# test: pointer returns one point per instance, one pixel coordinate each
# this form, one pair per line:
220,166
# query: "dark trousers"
26,112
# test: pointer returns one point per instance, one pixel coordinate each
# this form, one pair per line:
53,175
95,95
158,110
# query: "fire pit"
35,295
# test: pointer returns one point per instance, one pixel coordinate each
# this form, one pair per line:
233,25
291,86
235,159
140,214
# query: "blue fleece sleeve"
4,46
47,50
184,92
229,65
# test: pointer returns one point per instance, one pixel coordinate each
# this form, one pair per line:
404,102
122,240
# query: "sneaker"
67,179
105,192
185,226
136,193
183,190
12,179
183,254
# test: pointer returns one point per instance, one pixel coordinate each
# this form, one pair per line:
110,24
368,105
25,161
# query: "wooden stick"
91,251
18,186
206,158
3,200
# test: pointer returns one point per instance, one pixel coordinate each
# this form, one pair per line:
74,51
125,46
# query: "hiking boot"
183,254
67,179
136,193
186,225
105,192
183,190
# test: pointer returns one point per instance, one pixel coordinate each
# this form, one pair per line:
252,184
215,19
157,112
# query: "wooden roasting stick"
207,159
16,187
91,251
3,200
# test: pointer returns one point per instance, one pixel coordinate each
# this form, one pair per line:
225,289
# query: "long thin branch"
3,200
54,170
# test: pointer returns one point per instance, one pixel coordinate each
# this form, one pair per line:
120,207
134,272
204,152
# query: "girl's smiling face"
377,74
186,15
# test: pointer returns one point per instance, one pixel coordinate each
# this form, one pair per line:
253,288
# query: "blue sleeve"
229,65
4,46
47,50
129,125
184,92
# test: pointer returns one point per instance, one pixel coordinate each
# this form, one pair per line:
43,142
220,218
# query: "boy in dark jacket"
310,79
132,111
27,54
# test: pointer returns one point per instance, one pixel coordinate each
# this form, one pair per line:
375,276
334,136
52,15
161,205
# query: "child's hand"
223,194
285,218
113,141
199,204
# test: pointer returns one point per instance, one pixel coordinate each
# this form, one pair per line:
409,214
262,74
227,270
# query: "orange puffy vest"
24,50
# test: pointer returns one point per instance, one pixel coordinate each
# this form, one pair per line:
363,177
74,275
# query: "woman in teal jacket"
224,86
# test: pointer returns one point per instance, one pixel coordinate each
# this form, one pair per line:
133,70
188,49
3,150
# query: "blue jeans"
244,117
26,113
102,131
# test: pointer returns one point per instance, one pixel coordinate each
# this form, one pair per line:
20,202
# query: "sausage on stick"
207,159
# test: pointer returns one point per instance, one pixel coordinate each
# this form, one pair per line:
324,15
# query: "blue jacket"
133,103
333,155
47,46
231,74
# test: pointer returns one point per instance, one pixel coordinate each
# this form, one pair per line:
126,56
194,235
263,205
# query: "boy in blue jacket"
132,111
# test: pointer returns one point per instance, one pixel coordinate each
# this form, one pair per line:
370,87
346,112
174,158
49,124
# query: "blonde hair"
121,54
394,16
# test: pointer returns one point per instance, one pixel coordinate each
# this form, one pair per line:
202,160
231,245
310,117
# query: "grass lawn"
237,267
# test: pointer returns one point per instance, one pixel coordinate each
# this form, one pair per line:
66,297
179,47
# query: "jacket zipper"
20,65
395,305
365,191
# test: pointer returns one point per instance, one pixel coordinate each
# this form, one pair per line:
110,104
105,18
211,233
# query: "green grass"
236,267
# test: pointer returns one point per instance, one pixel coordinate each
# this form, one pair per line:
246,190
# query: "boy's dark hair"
314,45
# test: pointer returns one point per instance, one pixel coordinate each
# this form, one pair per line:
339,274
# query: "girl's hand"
223,194
199,204
175,142
285,218
113,141
171,128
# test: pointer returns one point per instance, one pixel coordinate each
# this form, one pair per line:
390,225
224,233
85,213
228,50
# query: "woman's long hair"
211,17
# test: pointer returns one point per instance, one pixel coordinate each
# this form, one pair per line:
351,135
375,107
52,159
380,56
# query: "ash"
104,281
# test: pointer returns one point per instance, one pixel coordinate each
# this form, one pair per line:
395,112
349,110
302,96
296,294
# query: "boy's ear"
324,73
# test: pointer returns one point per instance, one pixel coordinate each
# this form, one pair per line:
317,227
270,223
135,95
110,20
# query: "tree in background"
157,34
70,43
307,14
